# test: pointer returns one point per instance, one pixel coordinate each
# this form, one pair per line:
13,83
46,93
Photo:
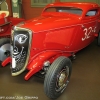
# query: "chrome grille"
20,50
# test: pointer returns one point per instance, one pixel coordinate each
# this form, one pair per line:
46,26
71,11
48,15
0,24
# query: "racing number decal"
88,32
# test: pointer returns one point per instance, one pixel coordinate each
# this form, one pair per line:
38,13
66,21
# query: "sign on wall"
40,3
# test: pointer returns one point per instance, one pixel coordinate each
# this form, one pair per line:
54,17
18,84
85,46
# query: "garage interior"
85,79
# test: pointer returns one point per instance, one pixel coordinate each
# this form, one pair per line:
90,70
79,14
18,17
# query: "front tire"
4,48
57,77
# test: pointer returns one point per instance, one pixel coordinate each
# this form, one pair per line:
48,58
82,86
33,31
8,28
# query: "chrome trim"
28,53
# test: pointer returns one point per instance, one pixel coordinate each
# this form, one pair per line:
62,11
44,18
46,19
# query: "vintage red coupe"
45,44
6,24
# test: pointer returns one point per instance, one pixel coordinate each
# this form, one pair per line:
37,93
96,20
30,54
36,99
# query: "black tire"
57,77
4,48
98,39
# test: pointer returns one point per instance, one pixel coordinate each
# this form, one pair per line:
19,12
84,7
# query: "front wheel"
57,77
4,48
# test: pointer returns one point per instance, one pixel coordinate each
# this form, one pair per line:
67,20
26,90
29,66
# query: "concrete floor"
84,83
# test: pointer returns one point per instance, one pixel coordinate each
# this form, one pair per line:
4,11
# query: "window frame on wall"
63,0
95,1
39,3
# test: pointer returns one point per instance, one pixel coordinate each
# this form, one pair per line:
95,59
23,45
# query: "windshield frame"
64,9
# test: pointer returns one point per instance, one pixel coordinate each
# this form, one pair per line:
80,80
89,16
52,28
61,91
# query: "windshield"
3,5
71,10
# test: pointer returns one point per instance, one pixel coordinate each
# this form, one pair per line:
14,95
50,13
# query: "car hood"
48,23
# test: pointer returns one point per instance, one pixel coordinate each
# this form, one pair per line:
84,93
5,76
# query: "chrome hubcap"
4,51
62,79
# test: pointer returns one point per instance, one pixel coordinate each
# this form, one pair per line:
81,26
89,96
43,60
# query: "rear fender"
37,64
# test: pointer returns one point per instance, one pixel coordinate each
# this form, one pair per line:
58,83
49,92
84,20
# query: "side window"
52,9
91,12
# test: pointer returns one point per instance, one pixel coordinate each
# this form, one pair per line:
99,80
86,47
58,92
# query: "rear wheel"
57,77
98,39
4,48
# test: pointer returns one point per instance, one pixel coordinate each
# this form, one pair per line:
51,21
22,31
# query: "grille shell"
21,43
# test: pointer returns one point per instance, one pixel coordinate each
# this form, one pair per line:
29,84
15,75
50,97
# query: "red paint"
6,24
6,61
57,34
37,63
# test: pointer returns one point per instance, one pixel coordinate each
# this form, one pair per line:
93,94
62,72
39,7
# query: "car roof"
81,5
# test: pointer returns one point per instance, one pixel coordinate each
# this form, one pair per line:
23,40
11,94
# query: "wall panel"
96,1
31,12
9,6
28,11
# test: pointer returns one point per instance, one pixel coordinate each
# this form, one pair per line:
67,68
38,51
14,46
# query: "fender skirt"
37,64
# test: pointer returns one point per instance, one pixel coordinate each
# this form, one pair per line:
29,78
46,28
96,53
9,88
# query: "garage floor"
84,83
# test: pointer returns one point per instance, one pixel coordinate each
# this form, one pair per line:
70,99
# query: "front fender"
37,64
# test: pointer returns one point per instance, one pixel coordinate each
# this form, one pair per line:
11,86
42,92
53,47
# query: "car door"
88,28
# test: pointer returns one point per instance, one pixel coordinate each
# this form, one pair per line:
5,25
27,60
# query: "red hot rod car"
44,44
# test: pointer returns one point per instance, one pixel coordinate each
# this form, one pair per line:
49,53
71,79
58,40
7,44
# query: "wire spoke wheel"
62,79
57,77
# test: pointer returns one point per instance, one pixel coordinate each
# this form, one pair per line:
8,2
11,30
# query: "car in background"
45,44
6,24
